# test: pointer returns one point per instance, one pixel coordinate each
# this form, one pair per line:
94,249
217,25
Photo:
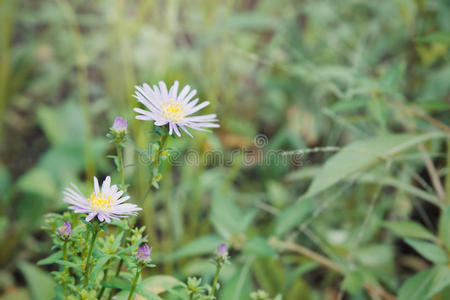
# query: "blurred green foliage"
368,77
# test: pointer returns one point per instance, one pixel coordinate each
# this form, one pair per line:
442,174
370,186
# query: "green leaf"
40,283
69,264
409,229
378,109
259,247
123,295
441,280
98,266
117,283
417,287
203,245
399,184
444,226
349,105
227,217
52,259
428,250
238,287
293,215
146,294
362,155
425,284
63,125
391,78
5,184
439,36
353,282
160,283
39,182
269,273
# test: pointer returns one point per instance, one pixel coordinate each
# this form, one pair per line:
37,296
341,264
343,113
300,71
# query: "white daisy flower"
168,107
105,203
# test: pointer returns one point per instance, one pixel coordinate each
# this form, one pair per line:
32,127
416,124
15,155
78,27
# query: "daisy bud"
120,125
65,230
222,250
143,252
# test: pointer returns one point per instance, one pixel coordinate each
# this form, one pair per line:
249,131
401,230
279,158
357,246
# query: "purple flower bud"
120,124
222,250
143,252
65,230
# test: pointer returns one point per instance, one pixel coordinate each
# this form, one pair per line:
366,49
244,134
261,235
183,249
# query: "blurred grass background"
304,73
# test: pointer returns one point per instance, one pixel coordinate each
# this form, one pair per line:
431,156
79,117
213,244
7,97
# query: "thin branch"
290,246
437,185
421,114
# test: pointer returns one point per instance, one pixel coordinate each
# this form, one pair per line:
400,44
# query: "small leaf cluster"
111,250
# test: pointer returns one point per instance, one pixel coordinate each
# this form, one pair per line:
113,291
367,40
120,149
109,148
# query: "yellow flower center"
98,203
173,112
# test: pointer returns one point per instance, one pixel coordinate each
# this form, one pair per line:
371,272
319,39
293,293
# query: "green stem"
119,266
105,276
216,278
120,163
162,145
88,257
146,205
66,269
133,287
447,177
64,250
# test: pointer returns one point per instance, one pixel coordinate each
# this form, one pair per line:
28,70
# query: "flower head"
119,124
106,203
143,252
222,250
65,230
168,107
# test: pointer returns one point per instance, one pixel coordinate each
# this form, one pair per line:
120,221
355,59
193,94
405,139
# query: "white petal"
101,217
78,202
183,93
175,128
126,208
204,118
144,118
143,98
163,89
105,186
148,90
158,93
173,91
145,113
185,130
91,216
189,96
121,200
197,108
113,189
76,188
190,105
116,195
161,122
193,126
209,125
96,186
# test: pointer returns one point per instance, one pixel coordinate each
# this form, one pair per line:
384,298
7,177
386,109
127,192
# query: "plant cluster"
92,250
